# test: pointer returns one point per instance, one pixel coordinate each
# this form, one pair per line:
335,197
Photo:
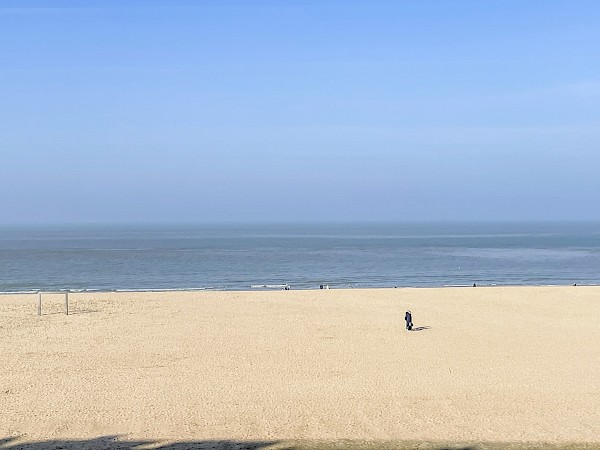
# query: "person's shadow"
421,328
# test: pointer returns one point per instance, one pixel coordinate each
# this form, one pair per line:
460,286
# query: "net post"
39,303
67,303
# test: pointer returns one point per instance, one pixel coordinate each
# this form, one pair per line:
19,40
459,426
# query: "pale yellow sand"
496,364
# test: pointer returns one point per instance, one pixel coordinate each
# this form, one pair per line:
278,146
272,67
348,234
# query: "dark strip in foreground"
114,442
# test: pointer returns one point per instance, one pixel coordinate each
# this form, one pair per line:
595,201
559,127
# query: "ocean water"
245,257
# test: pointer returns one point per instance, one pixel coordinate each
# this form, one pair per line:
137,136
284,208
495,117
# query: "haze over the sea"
233,111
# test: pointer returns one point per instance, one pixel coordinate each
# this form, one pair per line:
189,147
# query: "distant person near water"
408,319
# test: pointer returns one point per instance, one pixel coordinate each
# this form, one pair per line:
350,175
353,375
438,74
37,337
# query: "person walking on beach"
408,318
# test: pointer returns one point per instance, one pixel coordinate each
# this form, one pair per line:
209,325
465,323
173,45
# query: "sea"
296,256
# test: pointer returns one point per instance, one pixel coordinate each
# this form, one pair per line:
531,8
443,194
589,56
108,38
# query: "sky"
236,111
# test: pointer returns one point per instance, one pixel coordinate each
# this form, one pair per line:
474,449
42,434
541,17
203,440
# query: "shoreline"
331,288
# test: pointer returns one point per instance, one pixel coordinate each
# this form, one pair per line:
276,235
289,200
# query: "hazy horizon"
292,223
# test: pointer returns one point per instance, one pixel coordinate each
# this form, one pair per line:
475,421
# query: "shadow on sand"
421,328
114,442
83,311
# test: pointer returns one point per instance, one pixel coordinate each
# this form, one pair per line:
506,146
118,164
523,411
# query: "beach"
508,365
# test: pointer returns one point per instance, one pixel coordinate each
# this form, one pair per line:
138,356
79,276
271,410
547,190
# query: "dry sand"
505,365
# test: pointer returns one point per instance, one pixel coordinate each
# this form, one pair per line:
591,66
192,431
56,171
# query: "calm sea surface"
302,256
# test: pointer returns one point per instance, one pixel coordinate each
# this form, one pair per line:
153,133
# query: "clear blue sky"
195,111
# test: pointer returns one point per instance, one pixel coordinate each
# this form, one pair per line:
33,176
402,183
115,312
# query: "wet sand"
484,365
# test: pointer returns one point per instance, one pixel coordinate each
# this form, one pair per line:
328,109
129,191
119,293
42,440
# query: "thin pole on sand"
67,303
39,303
